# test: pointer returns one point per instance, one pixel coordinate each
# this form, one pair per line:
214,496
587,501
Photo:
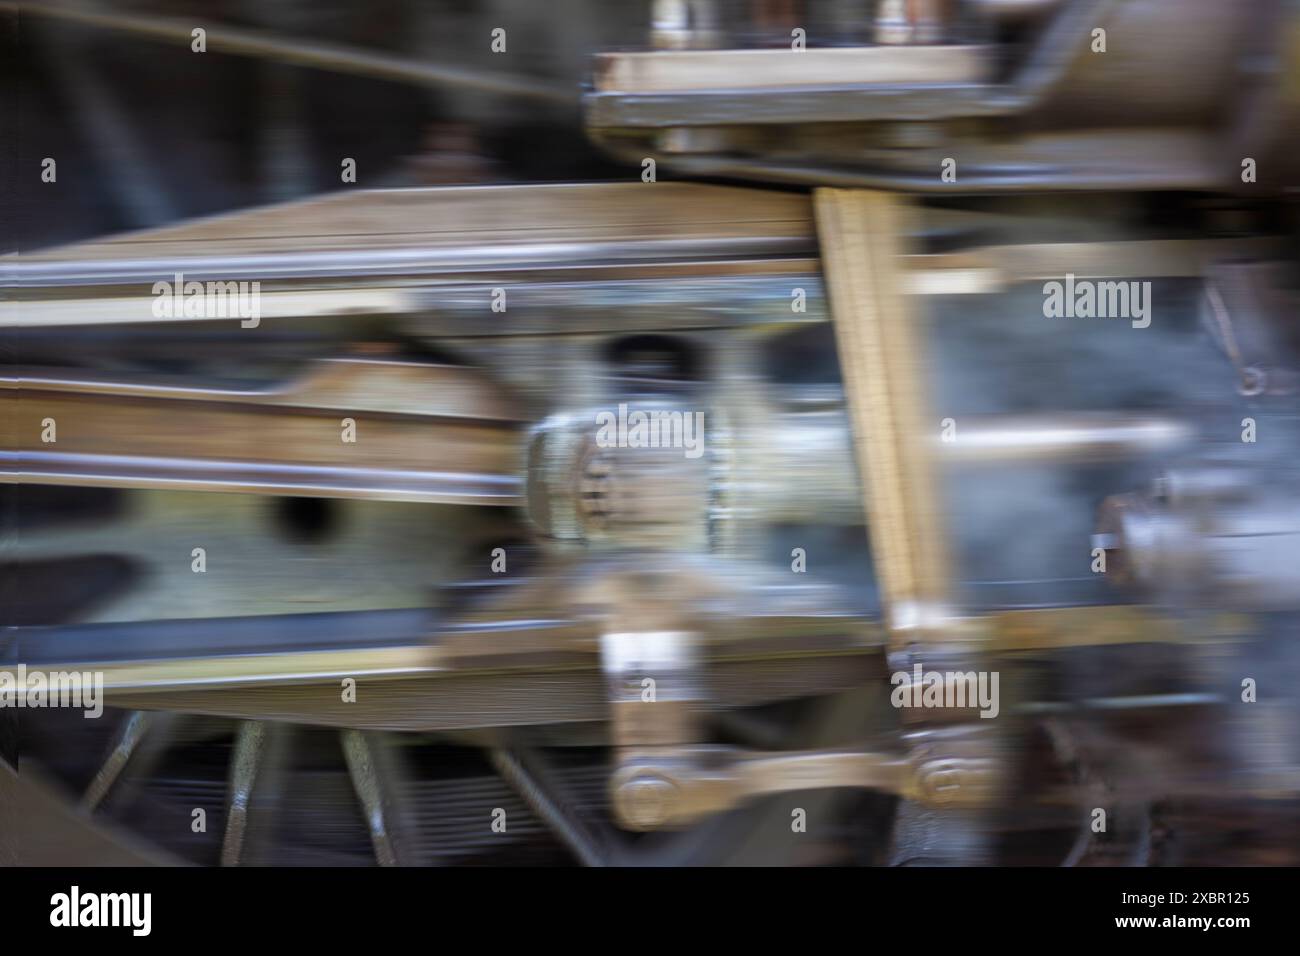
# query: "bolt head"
646,802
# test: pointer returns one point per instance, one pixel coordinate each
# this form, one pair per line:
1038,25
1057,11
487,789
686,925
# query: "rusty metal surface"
421,433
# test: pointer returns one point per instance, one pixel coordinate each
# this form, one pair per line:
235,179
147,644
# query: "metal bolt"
646,802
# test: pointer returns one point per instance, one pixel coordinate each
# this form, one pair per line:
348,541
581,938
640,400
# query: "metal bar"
371,774
27,272
475,225
685,70
284,441
250,743
310,53
1064,627
1009,632
1158,159
1061,437
244,670
567,827
978,271
879,348
128,738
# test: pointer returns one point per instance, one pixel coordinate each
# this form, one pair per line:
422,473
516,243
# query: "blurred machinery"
642,511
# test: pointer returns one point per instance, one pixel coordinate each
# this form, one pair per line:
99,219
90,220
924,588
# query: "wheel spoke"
250,742
125,744
514,767
376,777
